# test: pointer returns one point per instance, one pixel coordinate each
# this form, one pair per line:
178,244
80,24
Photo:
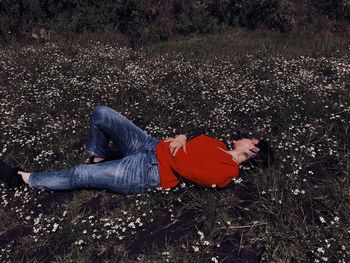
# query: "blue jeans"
136,172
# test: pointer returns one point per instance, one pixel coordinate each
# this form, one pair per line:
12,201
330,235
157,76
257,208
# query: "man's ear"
233,143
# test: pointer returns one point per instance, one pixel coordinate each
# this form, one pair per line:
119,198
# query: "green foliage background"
148,21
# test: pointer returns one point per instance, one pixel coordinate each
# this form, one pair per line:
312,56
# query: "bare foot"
25,176
98,159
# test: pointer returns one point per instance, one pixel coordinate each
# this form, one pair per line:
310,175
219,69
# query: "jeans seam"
74,175
94,122
149,166
143,148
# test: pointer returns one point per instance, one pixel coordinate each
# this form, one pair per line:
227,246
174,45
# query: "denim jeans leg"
52,180
107,124
136,172
132,174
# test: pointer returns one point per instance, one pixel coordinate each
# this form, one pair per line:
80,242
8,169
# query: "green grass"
240,41
292,91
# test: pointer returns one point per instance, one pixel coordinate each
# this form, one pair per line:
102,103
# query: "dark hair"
265,156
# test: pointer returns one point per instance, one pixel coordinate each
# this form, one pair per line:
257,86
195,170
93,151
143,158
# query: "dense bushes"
63,16
337,9
147,21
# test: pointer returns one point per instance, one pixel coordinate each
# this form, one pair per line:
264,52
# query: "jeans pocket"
152,179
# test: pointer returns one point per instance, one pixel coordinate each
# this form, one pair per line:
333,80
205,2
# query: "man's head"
245,149
249,149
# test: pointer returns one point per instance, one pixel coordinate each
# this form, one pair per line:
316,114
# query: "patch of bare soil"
92,205
15,233
231,251
107,254
57,244
245,193
320,172
163,230
49,201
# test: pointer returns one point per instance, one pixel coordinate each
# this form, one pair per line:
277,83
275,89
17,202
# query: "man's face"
247,148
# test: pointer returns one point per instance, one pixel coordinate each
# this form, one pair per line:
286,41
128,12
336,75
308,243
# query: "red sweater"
204,163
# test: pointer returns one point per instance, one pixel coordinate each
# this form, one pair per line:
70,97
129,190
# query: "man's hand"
177,142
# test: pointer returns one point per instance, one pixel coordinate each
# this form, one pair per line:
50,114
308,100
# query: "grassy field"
292,91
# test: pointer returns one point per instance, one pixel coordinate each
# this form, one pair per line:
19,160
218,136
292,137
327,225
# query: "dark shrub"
255,13
337,9
149,21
